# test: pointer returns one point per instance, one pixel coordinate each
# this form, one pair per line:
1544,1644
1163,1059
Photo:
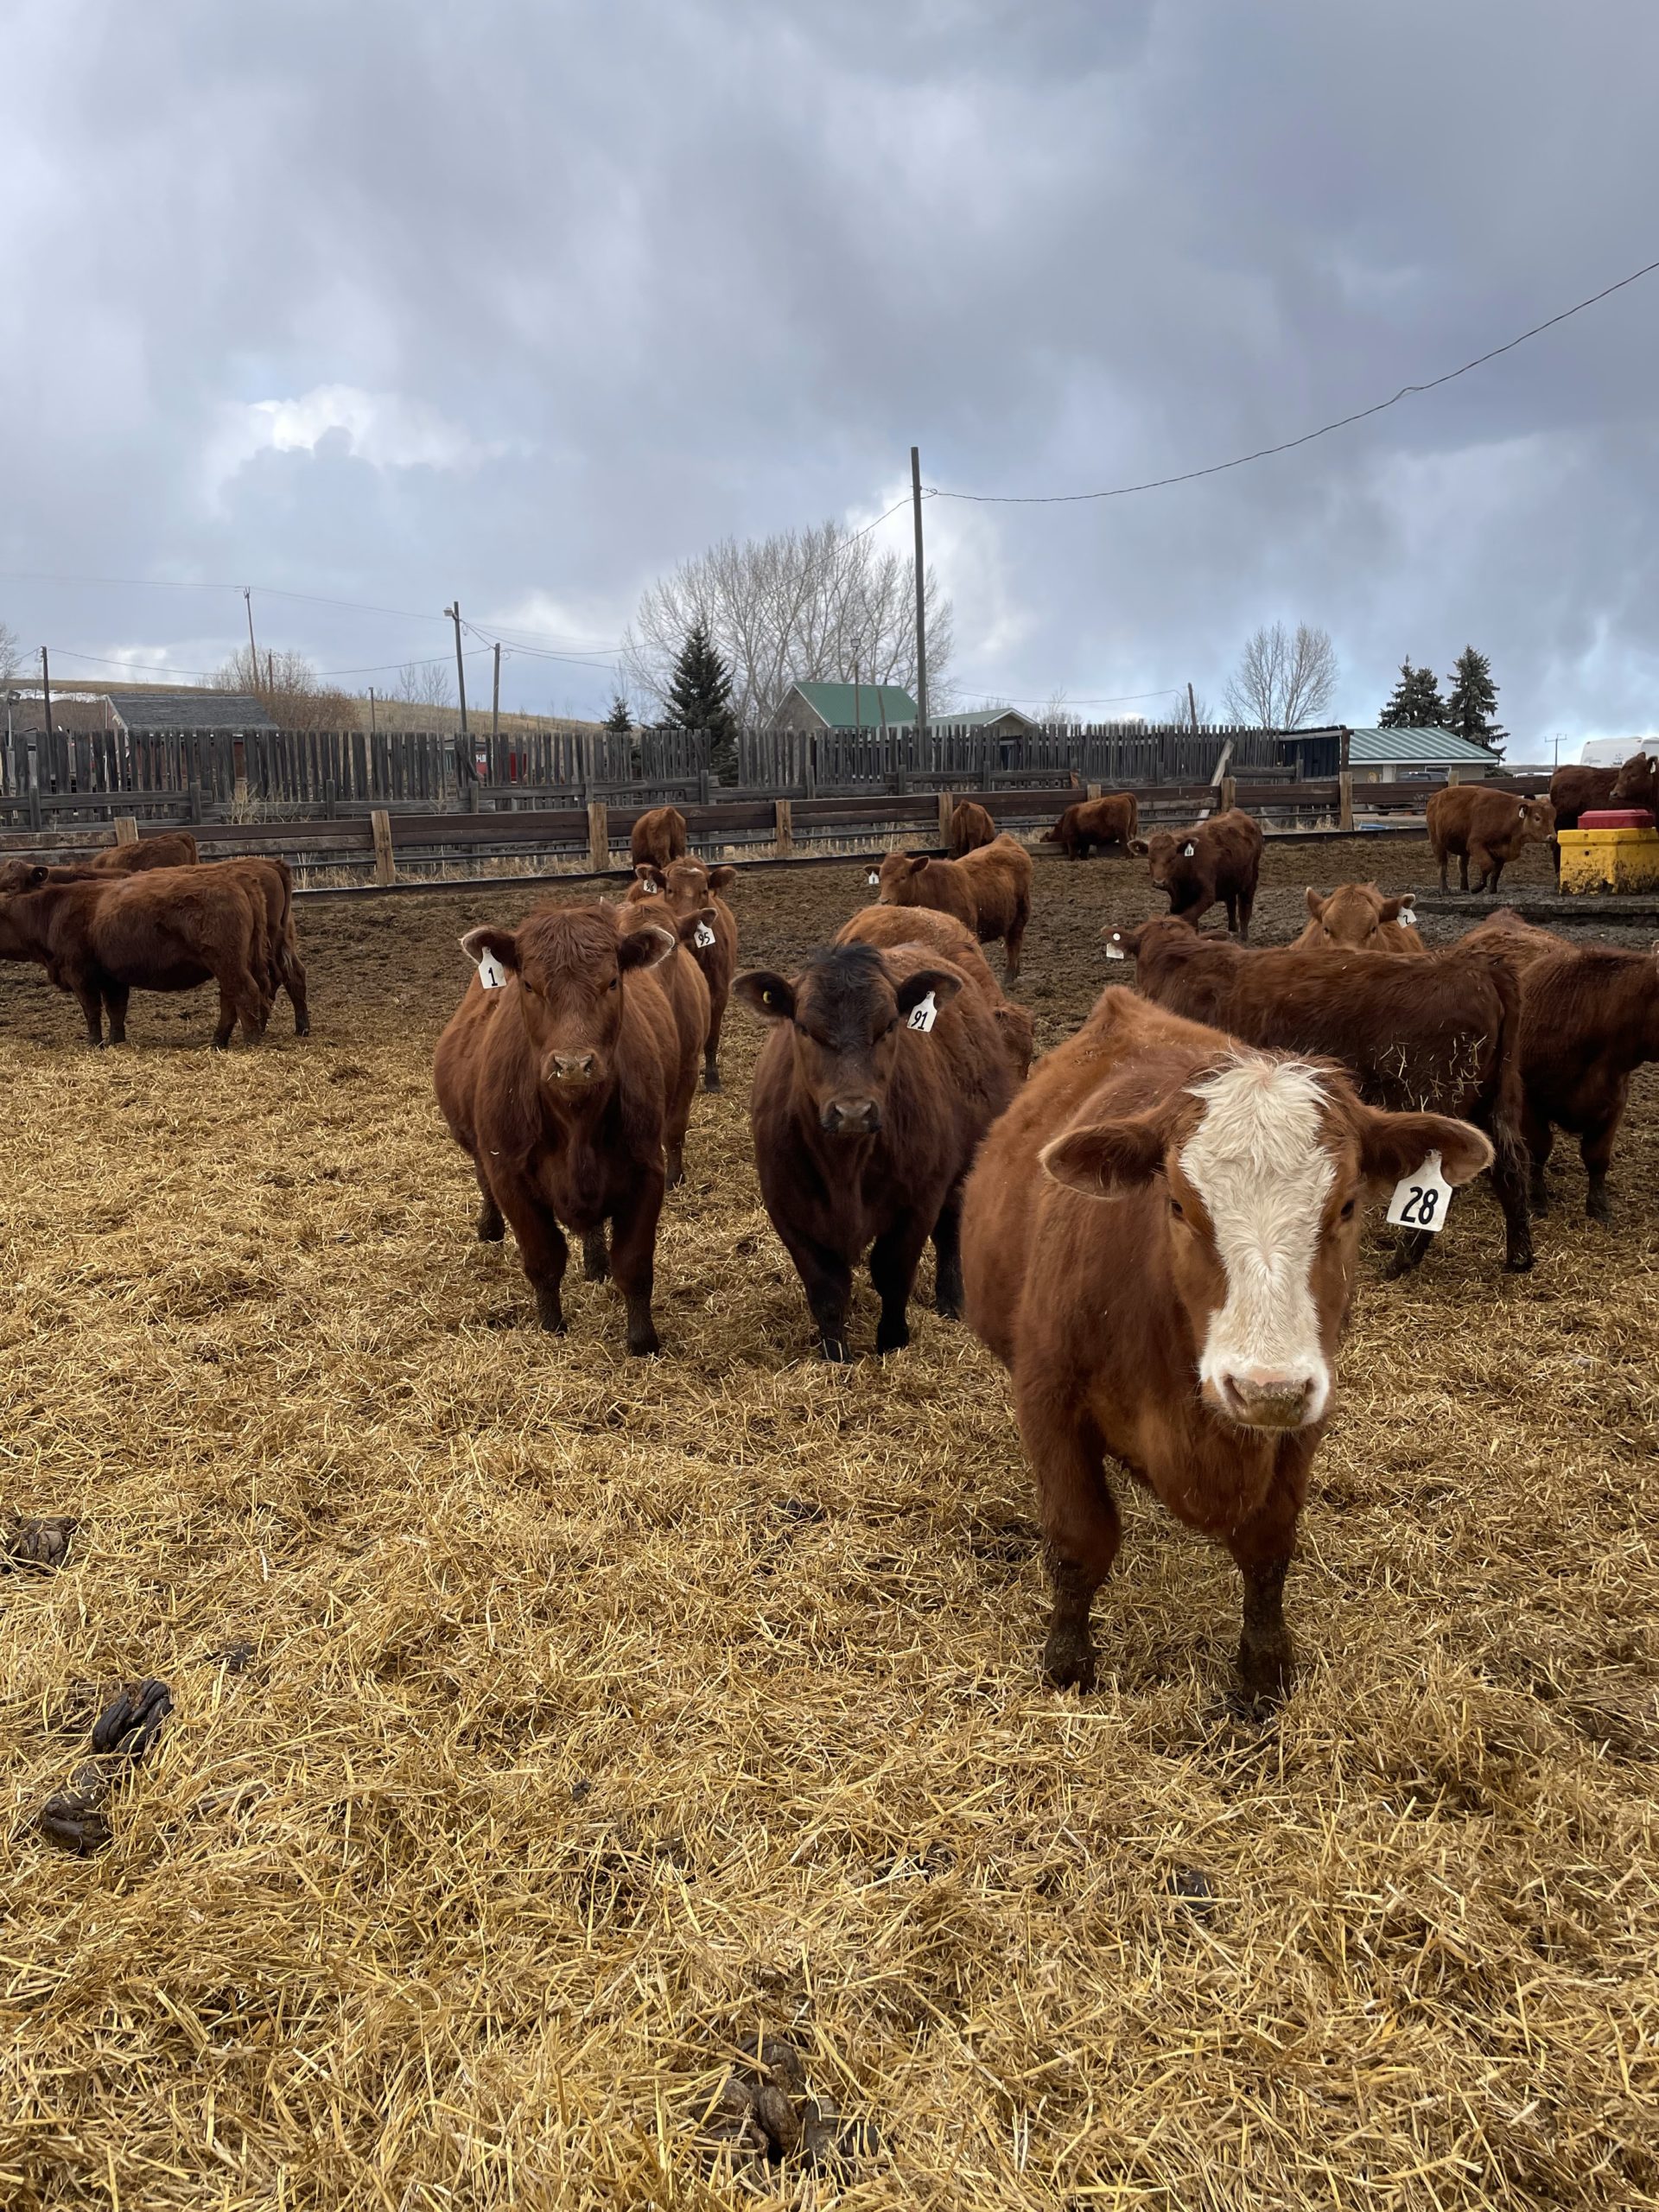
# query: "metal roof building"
147,711
1384,755
844,706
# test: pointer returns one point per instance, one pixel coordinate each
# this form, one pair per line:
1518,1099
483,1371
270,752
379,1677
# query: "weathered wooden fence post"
126,830
194,796
599,836
1227,796
1346,800
784,835
1093,791
947,807
385,869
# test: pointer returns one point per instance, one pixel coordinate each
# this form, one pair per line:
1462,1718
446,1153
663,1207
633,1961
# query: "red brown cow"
998,876
1159,1242
557,1083
1576,791
865,1125
688,888
1489,828
945,939
1520,942
970,827
659,836
1112,820
1589,1019
1220,859
687,992
170,848
913,880
1442,1033
1357,917
102,938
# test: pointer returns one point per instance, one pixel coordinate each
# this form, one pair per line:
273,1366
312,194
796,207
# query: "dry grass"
603,1712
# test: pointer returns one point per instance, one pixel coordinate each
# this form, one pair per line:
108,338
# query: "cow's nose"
852,1117
574,1067
1268,1398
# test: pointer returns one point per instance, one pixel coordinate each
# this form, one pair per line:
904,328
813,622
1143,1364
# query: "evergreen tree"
1415,702
619,721
1472,708
700,698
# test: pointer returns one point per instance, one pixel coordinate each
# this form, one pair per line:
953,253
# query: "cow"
997,875
1160,1241
970,827
688,888
557,1083
1218,860
1519,943
914,879
658,835
1357,917
686,988
103,938
947,939
1487,826
169,848
1113,820
1576,791
1441,1034
866,1122
1589,1019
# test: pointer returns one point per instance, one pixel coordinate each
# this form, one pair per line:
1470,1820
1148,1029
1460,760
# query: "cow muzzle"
573,1071
851,1117
1269,1398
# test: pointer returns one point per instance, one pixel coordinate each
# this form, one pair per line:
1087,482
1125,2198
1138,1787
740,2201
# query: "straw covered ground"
584,1716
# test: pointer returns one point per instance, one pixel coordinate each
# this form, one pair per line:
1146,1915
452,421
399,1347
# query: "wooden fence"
595,837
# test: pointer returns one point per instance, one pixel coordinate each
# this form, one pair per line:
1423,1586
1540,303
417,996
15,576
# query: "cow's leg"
595,1259
1443,858
1496,875
1408,1251
543,1253
1012,944
1509,1176
294,984
1263,1546
1596,1150
1246,908
1081,1530
1539,1143
895,1257
633,1256
1229,900
828,1281
90,996
711,1044
116,996
1463,871
491,1228
947,1259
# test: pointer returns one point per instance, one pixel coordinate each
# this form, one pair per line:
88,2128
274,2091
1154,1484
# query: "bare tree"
1058,713
798,608
425,684
289,690
11,653
1283,681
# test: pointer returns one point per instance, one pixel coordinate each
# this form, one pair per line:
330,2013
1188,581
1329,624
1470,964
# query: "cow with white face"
1160,1241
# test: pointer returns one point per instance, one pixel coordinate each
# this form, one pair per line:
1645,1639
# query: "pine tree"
619,721
1415,702
700,698
1471,708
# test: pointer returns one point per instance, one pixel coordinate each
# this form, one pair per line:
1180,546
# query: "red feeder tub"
1616,818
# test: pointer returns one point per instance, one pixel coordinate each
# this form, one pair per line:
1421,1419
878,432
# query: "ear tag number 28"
924,1013
1420,1198
491,972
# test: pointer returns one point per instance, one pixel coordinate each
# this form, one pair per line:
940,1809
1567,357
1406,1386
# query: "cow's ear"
918,862
644,948
1393,908
771,995
1109,1160
941,981
501,945
648,872
719,877
688,924
1392,1145
1140,847
1315,905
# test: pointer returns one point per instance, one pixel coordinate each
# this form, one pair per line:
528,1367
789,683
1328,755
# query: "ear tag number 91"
491,972
1420,1198
924,1013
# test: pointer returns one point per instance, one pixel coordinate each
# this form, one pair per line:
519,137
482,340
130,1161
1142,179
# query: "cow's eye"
615,983
1348,1210
1177,1210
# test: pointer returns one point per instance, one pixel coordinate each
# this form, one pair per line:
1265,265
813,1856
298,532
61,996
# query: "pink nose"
1261,1399
851,1117
574,1067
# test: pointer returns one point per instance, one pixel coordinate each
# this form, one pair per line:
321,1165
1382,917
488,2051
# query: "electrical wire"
1288,445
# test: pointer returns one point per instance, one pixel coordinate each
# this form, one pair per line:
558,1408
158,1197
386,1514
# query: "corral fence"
205,776
452,845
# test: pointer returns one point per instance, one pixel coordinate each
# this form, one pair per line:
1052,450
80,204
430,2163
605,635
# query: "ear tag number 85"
704,938
1420,1198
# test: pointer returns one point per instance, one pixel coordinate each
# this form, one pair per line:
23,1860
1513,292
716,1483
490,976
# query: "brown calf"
1357,917
688,888
1490,828
1113,820
970,827
1589,1019
687,991
1519,943
913,879
998,876
657,837
557,1083
1219,859
162,929
942,938
865,1126
1159,1242
1442,1033
171,848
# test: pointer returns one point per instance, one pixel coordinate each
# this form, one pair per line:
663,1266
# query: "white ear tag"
1408,918
1420,1198
924,1014
651,889
1115,948
491,972
1187,851
873,877
704,938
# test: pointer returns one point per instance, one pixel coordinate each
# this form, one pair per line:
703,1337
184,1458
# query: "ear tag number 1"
491,972
1421,1199
924,1015
704,938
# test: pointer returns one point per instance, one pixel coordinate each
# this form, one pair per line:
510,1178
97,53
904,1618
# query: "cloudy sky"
388,302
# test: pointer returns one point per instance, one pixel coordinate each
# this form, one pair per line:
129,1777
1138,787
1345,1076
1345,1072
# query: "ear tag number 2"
491,972
924,1013
1420,1198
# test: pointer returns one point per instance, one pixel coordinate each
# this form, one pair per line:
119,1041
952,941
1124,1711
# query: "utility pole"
1192,708
270,671
46,688
371,729
253,649
921,595
495,698
858,722
454,613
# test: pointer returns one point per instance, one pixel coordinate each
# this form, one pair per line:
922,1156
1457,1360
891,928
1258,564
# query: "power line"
139,670
1090,699
1288,445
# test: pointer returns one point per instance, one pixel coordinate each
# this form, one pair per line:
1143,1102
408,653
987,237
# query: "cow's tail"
1504,1117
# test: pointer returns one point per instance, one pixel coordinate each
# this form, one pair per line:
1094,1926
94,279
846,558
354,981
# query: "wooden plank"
385,867
126,830
599,833
784,837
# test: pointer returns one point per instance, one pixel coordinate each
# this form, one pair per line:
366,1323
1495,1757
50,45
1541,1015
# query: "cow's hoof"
1266,1668
834,1349
1519,1263
642,1343
948,1309
1598,1209
1069,1661
711,1079
892,1339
